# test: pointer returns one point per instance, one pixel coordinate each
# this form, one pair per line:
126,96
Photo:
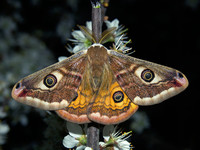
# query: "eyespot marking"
147,75
50,80
118,96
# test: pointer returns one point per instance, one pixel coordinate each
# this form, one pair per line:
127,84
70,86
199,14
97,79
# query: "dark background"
163,31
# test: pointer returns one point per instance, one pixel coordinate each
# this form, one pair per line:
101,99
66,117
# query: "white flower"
80,40
76,138
120,45
114,23
120,38
88,148
114,139
115,33
119,28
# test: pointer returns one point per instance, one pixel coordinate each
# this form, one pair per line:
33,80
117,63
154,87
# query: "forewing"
131,75
66,75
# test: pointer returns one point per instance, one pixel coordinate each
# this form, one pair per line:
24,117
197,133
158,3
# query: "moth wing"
105,110
66,75
130,73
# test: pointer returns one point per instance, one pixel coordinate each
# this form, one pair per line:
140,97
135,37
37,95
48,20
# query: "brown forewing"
70,71
124,68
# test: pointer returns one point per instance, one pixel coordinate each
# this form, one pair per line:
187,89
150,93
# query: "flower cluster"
83,38
112,139
81,41
120,38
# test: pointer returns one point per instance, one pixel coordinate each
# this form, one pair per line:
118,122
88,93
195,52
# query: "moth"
99,85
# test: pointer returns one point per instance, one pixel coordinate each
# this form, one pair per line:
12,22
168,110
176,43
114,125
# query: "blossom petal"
115,148
89,25
61,58
88,148
69,141
79,47
114,23
74,130
102,144
123,144
77,34
82,147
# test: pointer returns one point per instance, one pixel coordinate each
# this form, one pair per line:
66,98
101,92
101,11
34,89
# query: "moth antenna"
107,34
88,33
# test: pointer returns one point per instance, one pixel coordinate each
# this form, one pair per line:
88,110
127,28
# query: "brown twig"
93,136
96,21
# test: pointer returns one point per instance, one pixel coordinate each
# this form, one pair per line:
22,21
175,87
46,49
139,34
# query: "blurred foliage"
22,52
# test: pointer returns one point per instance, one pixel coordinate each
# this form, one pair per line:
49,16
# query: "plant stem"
96,22
93,136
